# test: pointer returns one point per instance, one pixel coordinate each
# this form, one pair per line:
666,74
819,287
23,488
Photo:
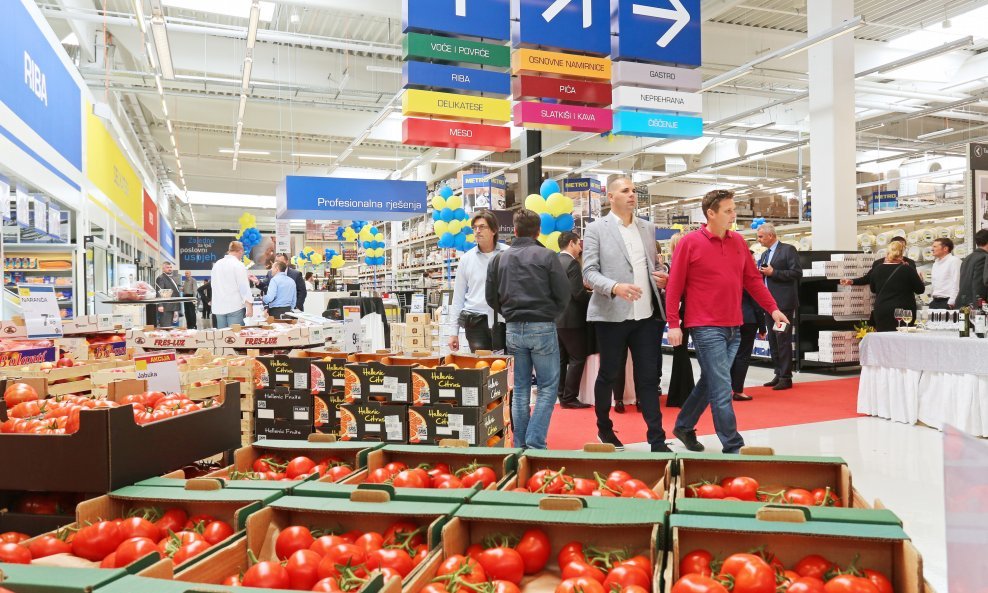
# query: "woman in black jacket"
681,382
895,284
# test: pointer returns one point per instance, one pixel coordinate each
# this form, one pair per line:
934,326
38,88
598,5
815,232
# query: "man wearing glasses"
470,309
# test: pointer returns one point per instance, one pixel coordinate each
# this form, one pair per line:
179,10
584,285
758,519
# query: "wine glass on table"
907,316
898,313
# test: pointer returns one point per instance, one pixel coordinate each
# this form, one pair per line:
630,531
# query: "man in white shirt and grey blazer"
619,257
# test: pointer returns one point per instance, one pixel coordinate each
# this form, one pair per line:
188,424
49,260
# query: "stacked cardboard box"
283,405
418,333
377,397
836,346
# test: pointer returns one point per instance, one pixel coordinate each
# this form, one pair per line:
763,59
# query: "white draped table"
928,377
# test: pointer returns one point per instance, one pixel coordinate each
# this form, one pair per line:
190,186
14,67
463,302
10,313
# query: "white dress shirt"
642,308
471,283
946,278
231,290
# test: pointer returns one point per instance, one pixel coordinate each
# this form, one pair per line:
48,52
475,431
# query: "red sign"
150,217
570,90
455,134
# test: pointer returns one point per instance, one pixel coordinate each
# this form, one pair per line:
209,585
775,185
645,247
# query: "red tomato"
173,520
798,496
411,479
444,481
647,493
323,543
13,537
299,467
397,560
569,552
630,487
395,467
616,478
109,562
502,564
751,574
216,531
579,585
477,474
15,554
267,463
48,545
697,583
303,569
421,553
95,542
805,585
583,486
622,576
825,497
232,581
404,532
340,555
197,522
17,393
633,589
434,588
473,575
534,548
580,568
813,565
846,583
292,539
267,575
139,527
742,487
328,585
378,476
879,580
641,562
438,469
710,491
133,549
370,541
339,472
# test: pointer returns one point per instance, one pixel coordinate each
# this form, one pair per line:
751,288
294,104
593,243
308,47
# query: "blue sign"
200,252
474,180
442,76
331,198
657,125
490,19
166,238
666,31
36,85
581,25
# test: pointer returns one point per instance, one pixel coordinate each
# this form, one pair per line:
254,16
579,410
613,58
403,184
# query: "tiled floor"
899,464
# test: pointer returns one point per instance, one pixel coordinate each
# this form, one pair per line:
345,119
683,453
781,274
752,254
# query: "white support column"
832,132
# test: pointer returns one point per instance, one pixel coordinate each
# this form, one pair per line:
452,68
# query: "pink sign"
573,117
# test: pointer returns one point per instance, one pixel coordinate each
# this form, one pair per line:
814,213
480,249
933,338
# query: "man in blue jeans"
527,285
713,265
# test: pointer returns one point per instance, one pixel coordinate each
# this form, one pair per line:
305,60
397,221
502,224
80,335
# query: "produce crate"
28,578
477,425
823,514
464,387
196,376
455,454
150,338
791,534
774,473
110,450
638,527
655,469
73,380
164,582
13,517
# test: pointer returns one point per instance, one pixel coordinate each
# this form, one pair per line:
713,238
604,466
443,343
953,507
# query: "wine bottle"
965,331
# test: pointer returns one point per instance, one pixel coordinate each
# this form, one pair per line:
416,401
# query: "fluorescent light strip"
160,34
382,158
383,69
943,132
313,155
139,11
255,14
245,83
236,149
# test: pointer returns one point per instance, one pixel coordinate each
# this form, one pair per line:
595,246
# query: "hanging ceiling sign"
529,86
655,76
418,102
573,117
666,31
476,18
631,97
330,198
449,49
453,134
579,25
552,62
456,78
657,125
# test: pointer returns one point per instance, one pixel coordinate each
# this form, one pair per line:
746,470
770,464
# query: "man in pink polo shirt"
713,265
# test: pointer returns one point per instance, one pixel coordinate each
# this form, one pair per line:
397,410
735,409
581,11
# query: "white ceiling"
316,85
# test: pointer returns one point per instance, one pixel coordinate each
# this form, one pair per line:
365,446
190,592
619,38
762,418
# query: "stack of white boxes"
836,347
848,301
418,332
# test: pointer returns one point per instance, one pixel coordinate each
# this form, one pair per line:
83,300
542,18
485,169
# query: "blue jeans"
715,351
226,320
533,343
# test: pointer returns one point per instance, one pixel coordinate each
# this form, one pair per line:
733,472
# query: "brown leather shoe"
741,397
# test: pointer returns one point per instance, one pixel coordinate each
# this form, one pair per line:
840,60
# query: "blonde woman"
681,382
895,284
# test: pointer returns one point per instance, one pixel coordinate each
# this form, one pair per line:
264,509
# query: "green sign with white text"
433,47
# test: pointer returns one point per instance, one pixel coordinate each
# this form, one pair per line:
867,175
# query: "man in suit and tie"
780,268
619,264
571,326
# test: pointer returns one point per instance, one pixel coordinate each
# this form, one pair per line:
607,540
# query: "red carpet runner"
816,401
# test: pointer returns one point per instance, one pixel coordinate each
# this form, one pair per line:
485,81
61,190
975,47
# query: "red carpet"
816,401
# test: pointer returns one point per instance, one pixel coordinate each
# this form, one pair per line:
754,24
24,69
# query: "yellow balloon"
454,202
438,203
440,227
380,252
365,234
454,226
558,204
316,259
349,234
552,241
471,238
536,204
337,261
544,239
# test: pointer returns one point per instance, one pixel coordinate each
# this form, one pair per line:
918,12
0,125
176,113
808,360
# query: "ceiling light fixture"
928,135
236,149
255,14
313,155
383,69
139,11
838,31
382,158
163,50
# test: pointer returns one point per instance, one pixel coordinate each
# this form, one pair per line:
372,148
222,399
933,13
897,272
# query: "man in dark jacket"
571,326
530,296
974,273
780,267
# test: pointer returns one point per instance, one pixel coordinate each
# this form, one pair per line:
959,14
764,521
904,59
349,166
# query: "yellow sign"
551,62
109,170
416,102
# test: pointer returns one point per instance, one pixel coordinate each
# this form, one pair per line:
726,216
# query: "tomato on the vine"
501,563
292,539
14,554
813,565
534,548
625,575
805,585
847,583
303,569
697,583
267,575
579,585
393,558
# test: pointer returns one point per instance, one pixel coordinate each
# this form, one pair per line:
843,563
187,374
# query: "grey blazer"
606,262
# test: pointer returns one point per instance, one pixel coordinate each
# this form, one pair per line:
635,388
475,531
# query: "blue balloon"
447,238
564,223
549,187
436,215
548,223
367,244
468,246
461,214
445,192
339,233
447,215
373,230
460,241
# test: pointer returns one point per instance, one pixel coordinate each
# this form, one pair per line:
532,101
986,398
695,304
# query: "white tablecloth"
931,378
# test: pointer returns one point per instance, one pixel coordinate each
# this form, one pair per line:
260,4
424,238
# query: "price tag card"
418,303
160,370
40,306
351,328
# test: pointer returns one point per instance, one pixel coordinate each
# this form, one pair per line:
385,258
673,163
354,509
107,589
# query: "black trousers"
739,369
642,338
781,346
572,360
940,303
191,315
681,381
277,312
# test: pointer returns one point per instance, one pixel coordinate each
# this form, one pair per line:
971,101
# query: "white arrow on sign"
680,17
556,7
461,7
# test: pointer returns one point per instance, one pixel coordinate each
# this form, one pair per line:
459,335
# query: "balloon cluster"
757,222
450,221
335,259
249,235
352,231
371,238
555,210
310,255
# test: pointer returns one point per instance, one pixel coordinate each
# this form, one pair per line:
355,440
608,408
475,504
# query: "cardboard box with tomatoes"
27,578
415,472
66,376
545,548
290,529
109,449
759,474
34,513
